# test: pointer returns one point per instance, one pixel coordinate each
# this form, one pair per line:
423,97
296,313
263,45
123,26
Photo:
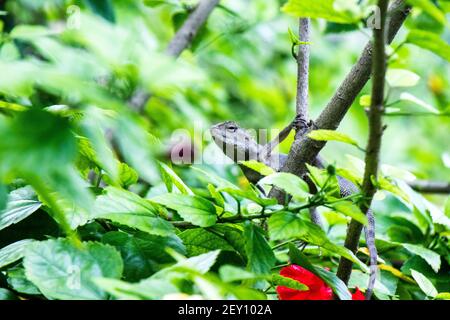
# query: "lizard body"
239,145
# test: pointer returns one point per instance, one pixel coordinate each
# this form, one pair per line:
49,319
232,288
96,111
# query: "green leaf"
24,151
19,282
331,135
7,295
405,96
350,209
22,203
286,225
199,241
323,180
143,254
13,252
127,208
431,257
443,296
336,284
3,196
29,32
127,175
400,78
425,285
220,201
62,271
447,207
229,273
149,289
290,183
103,8
325,9
259,253
200,264
259,167
171,178
430,41
248,194
365,100
288,282
387,185
191,208
316,236
137,146
428,7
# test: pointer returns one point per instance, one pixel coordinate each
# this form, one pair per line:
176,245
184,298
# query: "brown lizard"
239,145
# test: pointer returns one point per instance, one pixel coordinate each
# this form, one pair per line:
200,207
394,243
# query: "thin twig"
181,41
437,187
372,157
306,149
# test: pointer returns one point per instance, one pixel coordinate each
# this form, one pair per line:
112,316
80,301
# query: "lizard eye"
232,128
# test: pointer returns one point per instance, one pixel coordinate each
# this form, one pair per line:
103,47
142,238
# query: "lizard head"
234,141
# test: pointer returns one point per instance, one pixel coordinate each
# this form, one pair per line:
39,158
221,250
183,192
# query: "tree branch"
423,186
190,28
302,103
302,99
182,40
305,150
372,158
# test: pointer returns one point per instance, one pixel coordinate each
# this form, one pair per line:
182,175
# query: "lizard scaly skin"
238,145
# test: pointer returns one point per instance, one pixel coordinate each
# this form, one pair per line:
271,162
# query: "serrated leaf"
24,151
194,209
21,204
316,236
331,135
425,285
199,241
248,194
259,253
19,282
290,183
286,225
400,78
143,254
127,208
62,271
13,252
431,257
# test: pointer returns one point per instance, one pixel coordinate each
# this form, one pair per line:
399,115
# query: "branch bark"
182,40
372,158
305,150
302,103
424,186
302,99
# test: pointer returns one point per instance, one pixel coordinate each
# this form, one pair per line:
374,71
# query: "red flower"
358,295
318,290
